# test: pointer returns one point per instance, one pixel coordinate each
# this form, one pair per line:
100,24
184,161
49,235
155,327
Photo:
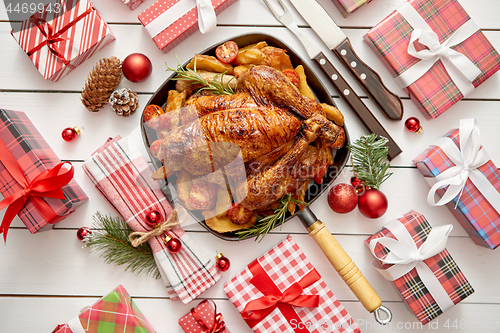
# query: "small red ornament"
153,218
83,232
137,67
222,262
412,124
342,198
373,203
70,134
174,245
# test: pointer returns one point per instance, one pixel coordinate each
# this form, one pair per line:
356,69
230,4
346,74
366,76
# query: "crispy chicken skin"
208,104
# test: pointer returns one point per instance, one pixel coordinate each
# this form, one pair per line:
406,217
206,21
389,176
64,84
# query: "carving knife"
330,33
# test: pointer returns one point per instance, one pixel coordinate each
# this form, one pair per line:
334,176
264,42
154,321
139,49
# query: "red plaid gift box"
34,157
169,22
133,4
436,51
304,303
203,318
414,257
57,41
458,162
114,313
347,7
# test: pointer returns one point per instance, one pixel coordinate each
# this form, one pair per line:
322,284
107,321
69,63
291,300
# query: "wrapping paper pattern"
114,313
347,7
124,177
435,91
180,29
474,213
35,156
442,265
285,264
133,4
80,32
206,313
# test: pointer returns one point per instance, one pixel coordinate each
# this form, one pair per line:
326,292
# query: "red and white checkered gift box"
474,196
169,22
304,301
57,41
347,7
133,4
436,51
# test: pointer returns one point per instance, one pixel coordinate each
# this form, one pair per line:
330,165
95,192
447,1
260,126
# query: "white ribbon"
467,160
404,255
460,68
207,19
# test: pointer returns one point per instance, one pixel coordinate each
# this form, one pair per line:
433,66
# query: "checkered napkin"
284,267
442,265
123,176
115,312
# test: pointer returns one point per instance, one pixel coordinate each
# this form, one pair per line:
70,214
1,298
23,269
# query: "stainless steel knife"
319,20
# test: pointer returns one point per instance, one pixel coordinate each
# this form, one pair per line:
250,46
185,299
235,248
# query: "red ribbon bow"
47,184
218,326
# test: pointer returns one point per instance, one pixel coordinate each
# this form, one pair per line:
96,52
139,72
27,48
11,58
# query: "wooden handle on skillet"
344,265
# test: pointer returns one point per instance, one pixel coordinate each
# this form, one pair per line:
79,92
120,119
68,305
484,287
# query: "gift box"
435,51
203,318
169,22
133,4
57,41
282,292
114,313
413,255
347,7
461,173
25,159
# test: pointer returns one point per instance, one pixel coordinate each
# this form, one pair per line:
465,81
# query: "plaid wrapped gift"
169,22
304,303
347,7
133,4
474,194
57,41
203,318
34,156
123,176
436,51
424,272
114,313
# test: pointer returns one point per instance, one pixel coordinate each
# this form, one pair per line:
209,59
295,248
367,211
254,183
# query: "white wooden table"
46,278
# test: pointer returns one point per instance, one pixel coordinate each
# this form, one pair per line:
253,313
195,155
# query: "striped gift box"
347,7
57,41
114,313
34,155
443,266
435,91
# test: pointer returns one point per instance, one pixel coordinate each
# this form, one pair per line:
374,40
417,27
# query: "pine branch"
110,239
369,160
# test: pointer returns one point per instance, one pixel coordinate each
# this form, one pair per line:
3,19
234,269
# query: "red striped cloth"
123,176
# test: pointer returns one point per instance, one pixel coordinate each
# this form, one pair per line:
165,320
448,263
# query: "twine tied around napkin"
460,68
405,256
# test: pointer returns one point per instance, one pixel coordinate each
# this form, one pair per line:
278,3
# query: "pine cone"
124,102
102,81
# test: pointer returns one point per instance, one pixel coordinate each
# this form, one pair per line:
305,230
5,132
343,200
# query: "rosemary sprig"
216,85
268,223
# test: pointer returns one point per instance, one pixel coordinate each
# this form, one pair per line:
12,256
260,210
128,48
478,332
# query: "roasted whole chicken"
267,139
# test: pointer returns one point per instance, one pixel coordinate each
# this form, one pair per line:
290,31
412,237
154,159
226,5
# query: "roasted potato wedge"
210,64
175,100
260,45
223,202
221,224
184,184
333,114
303,86
252,56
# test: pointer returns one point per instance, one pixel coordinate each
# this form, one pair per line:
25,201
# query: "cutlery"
330,33
344,89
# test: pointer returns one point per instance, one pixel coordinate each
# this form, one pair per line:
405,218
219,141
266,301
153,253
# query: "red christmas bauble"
174,245
70,134
342,198
373,203
153,218
83,232
222,263
412,124
137,67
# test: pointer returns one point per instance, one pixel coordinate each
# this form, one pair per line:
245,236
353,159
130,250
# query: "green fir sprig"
369,160
110,239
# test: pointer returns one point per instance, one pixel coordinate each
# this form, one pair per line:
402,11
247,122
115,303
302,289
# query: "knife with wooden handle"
330,33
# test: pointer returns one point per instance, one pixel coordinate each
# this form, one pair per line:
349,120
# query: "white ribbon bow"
467,160
460,68
404,255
